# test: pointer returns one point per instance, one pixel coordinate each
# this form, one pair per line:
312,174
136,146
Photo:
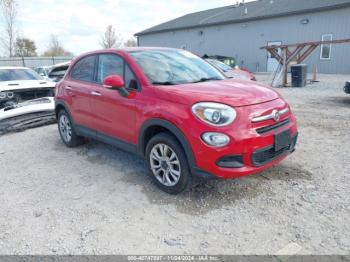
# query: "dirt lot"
98,200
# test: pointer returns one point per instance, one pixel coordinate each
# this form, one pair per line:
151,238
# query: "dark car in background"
347,87
53,73
230,61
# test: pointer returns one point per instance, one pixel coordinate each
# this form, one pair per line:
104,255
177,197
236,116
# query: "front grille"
266,155
30,94
266,129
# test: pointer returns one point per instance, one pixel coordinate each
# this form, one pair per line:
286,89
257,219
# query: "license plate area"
282,140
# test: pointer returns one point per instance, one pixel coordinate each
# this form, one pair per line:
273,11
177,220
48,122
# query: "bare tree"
9,13
111,39
131,42
25,47
56,48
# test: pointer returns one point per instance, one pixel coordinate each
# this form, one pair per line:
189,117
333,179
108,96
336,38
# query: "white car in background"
26,99
20,84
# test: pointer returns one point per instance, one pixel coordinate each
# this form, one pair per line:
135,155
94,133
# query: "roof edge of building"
310,10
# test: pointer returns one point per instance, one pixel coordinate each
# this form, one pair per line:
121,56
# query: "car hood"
231,92
24,84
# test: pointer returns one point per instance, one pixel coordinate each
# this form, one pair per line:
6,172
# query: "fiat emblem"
275,115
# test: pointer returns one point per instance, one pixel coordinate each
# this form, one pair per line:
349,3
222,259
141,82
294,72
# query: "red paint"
123,118
114,81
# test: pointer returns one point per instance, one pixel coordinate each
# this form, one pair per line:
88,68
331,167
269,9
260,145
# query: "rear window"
18,74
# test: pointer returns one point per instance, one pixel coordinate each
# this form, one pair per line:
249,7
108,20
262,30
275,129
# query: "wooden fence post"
285,67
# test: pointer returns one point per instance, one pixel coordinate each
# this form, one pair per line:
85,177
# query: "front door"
272,63
113,114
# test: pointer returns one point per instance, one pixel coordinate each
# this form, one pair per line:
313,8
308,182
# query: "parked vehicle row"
177,111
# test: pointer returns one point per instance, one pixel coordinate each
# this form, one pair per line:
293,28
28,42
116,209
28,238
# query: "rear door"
79,87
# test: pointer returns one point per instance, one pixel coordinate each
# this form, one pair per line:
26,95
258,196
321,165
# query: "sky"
80,24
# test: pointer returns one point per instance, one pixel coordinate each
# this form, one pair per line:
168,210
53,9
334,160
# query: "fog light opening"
215,139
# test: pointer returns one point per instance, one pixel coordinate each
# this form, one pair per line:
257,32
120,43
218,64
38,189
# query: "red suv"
177,111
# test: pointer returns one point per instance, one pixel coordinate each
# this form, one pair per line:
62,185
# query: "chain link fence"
33,62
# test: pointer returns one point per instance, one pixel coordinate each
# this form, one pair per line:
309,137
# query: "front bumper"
251,149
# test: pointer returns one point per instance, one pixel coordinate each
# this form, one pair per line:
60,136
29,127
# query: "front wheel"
168,164
66,130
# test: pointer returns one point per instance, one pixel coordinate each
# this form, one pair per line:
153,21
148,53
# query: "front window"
172,67
18,74
110,64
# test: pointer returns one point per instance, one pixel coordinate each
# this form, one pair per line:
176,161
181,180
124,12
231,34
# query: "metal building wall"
243,40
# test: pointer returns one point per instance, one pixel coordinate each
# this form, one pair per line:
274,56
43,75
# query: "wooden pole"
285,66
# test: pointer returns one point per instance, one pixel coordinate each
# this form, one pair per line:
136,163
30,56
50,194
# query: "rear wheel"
168,164
66,130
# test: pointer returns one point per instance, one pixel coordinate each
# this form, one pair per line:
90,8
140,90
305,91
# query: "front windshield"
220,64
171,67
18,74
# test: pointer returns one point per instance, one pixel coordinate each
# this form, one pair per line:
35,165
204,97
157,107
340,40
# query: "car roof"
142,48
127,50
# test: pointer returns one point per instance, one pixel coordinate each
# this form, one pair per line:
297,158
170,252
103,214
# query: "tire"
66,130
169,170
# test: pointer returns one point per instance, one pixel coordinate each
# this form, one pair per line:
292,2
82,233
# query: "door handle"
69,88
95,93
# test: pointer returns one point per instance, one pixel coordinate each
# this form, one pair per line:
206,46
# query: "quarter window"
326,48
129,78
84,69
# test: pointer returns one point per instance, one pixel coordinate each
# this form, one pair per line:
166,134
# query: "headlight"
2,95
214,114
215,139
10,95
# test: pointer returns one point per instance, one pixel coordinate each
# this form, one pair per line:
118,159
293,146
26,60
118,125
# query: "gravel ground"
96,199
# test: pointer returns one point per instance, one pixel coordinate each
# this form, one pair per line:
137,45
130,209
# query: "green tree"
25,47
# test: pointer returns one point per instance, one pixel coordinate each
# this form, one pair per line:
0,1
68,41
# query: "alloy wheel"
65,128
165,165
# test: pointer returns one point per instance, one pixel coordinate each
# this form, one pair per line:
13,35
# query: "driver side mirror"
113,82
116,82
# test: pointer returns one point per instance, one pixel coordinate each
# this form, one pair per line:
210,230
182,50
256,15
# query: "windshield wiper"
166,83
206,79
